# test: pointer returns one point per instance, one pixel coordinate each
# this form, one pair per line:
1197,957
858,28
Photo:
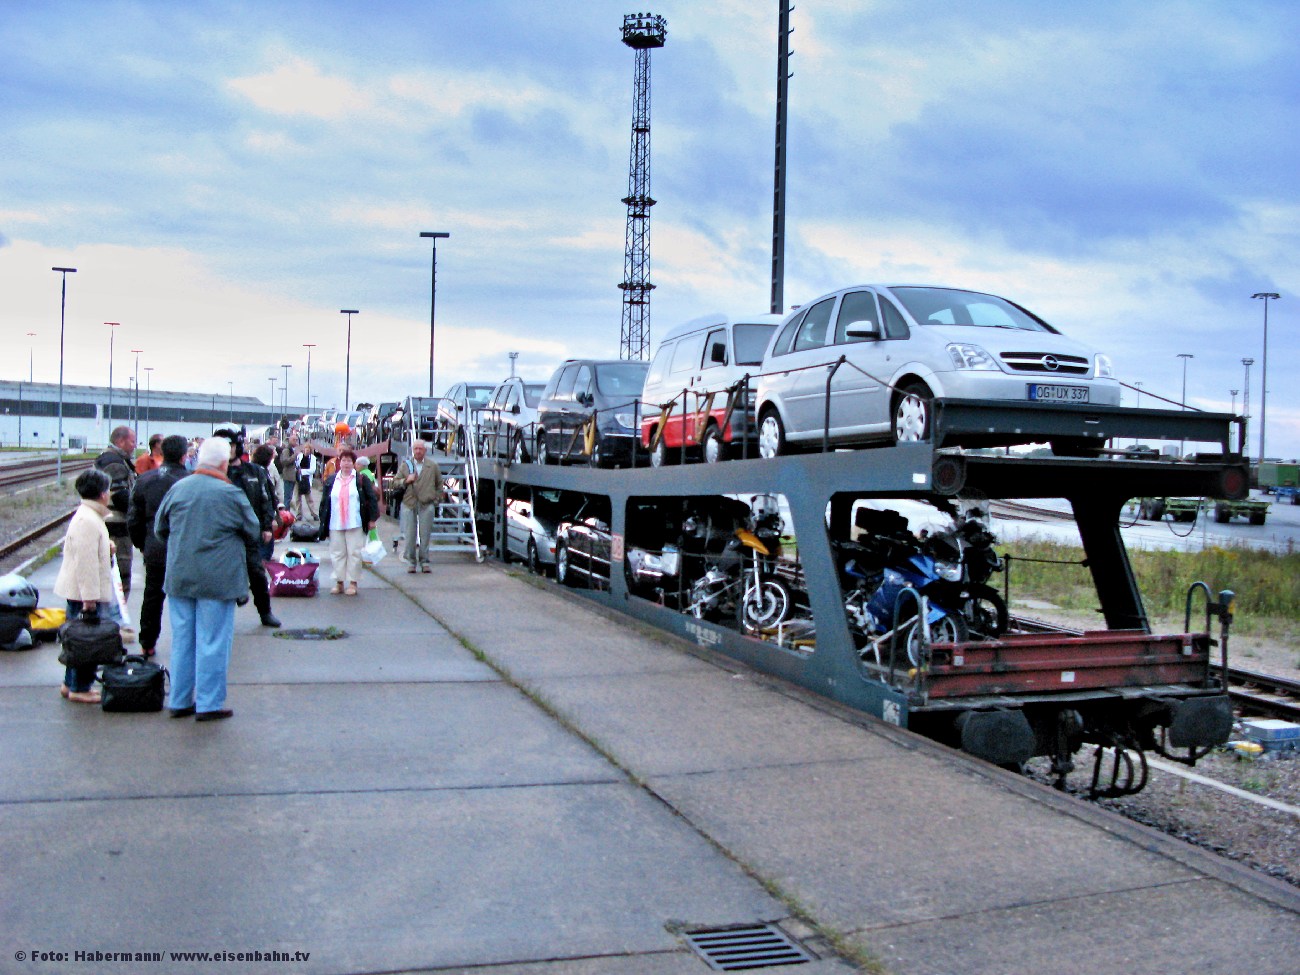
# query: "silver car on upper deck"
904,346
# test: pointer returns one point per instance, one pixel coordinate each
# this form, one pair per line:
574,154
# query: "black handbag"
90,641
135,684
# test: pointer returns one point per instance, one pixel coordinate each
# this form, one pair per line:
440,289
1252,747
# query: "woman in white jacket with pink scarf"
86,577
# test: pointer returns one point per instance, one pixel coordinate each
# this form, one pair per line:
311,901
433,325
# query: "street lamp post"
135,410
435,236
148,400
1263,370
1138,404
285,394
347,374
1245,405
231,384
513,357
1182,447
31,375
272,398
1234,400
111,335
63,309
309,346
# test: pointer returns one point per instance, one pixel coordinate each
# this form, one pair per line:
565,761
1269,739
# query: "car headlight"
1104,370
965,356
625,420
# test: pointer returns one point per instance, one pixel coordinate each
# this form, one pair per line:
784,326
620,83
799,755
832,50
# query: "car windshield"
533,393
478,395
751,342
945,306
622,378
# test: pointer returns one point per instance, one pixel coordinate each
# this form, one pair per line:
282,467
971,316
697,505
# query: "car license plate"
1050,393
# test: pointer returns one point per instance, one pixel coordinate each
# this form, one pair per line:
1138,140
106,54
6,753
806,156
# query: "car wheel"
659,453
534,563
542,455
521,450
771,435
597,458
912,408
460,441
562,574
713,447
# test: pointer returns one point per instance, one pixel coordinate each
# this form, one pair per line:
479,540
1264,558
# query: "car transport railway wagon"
801,566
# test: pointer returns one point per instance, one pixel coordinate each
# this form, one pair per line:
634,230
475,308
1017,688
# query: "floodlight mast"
643,33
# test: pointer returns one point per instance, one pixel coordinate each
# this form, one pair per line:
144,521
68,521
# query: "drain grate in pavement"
749,946
311,633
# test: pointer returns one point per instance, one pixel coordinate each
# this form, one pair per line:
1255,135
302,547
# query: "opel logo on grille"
1051,363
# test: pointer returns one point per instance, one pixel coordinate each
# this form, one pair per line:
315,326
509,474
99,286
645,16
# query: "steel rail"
9,547
1277,696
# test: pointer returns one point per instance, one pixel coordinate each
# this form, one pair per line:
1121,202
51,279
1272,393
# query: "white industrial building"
29,414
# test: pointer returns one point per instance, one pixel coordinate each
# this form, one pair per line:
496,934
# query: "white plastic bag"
373,553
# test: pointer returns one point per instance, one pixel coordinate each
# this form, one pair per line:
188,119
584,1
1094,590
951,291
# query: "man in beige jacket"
422,483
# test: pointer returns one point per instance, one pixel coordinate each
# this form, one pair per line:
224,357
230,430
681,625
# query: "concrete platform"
489,775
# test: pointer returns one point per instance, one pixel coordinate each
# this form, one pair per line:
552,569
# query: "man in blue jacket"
206,523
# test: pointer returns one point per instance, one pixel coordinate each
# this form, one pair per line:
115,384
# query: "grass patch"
1267,584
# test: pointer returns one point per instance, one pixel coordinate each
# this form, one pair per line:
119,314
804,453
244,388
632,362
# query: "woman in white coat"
85,578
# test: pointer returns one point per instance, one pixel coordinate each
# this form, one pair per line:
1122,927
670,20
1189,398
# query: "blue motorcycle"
872,599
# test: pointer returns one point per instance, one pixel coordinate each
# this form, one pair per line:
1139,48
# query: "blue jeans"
202,633
289,484
79,679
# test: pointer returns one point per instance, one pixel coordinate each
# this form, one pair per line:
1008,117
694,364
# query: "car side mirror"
515,409
586,399
718,353
862,330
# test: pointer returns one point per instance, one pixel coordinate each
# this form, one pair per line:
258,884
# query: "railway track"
1259,694
33,534
38,471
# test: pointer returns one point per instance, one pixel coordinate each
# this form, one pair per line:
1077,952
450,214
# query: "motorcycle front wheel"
768,604
947,629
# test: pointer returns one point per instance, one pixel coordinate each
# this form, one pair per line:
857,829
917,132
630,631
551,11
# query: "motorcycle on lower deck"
739,574
949,568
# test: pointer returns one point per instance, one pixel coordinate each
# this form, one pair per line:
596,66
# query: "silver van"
693,394
896,348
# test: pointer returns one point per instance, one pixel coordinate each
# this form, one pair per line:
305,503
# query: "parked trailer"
1186,509
1281,480
1035,690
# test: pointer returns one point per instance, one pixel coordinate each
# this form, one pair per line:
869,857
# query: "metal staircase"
454,525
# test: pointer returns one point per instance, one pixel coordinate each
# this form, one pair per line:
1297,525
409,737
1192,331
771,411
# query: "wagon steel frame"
1121,663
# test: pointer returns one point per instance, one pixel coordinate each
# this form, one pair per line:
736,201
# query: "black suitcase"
305,531
136,684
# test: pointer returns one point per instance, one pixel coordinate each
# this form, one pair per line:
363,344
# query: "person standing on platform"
349,508
153,459
145,501
207,525
85,577
118,462
422,481
252,480
287,463
306,471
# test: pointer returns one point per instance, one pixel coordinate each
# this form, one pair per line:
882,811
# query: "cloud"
298,87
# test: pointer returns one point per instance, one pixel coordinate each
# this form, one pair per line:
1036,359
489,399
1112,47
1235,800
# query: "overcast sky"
227,176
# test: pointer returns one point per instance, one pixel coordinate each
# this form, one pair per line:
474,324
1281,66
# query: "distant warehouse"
29,414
